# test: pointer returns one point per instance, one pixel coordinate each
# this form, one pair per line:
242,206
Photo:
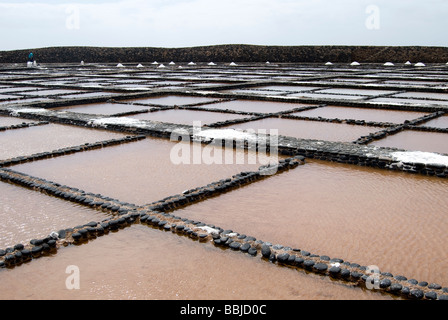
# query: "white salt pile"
389,64
161,66
139,65
408,63
155,62
329,64
192,64
419,64
171,63
420,157
212,64
355,63
120,65
233,64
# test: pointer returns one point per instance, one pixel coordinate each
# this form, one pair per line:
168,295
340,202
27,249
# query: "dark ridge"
227,53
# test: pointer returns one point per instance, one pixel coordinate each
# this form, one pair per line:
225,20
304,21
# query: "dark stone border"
24,125
68,150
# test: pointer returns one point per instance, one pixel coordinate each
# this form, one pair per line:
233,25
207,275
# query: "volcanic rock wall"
236,53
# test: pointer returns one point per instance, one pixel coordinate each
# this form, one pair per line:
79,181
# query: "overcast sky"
187,23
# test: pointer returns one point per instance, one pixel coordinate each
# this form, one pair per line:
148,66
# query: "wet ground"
365,215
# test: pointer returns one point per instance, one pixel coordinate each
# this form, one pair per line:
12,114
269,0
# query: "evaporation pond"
308,129
375,115
140,263
145,171
254,106
440,122
394,220
187,117
102,108
47,138
173,100
416,141
27,215
12,121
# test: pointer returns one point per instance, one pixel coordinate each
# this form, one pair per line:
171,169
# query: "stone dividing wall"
228,53
349,153
126,214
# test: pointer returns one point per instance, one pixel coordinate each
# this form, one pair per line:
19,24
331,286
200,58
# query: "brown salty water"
102,108
255,106
172,100
139,263
308,129
187,117
27,215
376,115
416,141
12,121
393,220
440,122
28,141
142,172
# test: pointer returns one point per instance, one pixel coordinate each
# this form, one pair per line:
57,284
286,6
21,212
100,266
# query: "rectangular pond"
368,216
303,129
366,114
27,214
416,141
145,171
46,138
187,117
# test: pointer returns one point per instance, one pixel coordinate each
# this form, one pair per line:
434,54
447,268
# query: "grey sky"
185,23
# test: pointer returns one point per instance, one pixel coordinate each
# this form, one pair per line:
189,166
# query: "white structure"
120,65
389,64
267,62
82,63
354,63
139,65
233,64
171,63
328,64
212,64
161,66
408,63
420,64
155,62
192,64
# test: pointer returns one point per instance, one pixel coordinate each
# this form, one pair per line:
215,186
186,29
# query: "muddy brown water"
390,100
395,221
140,263
145,171
28,141
416,141
187,117
27,215
308,129
172,100
102,108
356,91
376,115
12,121
255,106
440,122
326,96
